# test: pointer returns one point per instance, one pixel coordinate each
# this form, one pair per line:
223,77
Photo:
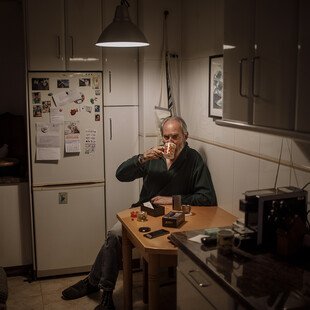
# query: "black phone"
156,233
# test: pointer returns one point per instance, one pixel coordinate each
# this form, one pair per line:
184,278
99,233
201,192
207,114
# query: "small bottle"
176,202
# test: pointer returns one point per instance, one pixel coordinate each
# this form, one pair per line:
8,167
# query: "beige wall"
239,160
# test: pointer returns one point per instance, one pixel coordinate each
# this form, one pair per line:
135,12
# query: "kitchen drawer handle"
242,60
198,278
253,76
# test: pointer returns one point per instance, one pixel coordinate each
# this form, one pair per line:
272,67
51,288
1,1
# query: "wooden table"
159,252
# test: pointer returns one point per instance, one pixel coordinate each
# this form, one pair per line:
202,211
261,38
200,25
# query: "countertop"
258,281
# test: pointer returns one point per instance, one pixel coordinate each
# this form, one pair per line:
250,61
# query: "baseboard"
14,271
27,270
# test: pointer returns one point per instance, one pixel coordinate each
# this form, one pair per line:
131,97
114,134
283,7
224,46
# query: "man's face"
172,132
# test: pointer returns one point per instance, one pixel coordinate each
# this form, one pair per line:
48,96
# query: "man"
184,175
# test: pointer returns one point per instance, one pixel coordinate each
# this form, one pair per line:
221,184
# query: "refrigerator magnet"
97,117
40,83
84,82
63,83
73,111
37,110
88,108
46,105
36,98
92,100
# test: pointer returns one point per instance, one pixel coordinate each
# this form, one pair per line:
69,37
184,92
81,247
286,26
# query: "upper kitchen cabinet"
61,35
260,62
303,106
238,53
120,65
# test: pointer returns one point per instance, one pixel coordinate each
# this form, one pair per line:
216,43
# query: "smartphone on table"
156,233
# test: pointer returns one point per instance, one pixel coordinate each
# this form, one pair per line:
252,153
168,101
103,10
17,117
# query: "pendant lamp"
122,32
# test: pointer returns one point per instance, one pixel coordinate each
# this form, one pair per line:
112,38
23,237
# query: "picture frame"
216,83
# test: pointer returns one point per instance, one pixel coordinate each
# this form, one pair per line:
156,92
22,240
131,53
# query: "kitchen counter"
256,281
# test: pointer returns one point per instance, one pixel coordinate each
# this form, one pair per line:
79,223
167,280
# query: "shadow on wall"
304,148
203,154
13,134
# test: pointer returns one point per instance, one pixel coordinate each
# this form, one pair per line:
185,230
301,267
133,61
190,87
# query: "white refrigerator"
65,121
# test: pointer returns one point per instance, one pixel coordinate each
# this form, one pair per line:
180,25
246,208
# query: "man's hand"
153,153
162,200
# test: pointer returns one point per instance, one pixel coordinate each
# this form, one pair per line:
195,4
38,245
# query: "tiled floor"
45,294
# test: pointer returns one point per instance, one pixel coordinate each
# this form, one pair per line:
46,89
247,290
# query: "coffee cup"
169,150
226,240
186,209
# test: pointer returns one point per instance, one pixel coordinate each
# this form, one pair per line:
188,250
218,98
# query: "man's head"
174,129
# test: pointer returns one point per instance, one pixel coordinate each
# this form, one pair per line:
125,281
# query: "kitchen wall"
239,160
12,58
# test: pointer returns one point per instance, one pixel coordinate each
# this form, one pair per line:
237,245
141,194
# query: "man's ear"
186,136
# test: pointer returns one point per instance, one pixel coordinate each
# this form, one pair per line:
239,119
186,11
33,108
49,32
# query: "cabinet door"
84,26
45,35
121,143
120,64
303,106
121,77
238,53
275,66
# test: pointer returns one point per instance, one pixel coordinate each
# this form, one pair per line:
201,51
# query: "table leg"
145,281
127,269
153,280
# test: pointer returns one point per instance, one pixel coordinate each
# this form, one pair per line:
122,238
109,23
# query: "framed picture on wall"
216,89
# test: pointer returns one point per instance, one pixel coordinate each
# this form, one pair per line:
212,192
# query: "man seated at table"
185,174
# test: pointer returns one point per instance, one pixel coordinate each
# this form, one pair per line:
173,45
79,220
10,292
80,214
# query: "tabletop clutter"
223,237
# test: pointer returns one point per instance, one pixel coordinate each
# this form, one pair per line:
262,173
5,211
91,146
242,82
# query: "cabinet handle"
58,47
253,76
242,60
110,81
110,128
198,278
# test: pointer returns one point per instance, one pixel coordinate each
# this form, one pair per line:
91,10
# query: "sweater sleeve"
130,170
203,193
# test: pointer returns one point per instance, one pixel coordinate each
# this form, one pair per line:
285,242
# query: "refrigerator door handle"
110,128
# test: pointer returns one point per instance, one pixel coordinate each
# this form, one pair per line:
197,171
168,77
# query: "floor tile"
45,294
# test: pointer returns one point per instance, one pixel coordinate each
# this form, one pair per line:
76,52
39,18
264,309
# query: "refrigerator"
66,144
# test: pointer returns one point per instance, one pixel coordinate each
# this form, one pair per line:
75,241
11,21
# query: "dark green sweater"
188,176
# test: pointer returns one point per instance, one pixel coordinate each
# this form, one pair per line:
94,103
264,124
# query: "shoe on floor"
80,289
106,302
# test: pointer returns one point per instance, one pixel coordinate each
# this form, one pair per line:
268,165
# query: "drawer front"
204,284
187,293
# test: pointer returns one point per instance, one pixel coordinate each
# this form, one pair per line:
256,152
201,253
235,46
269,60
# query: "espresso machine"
270,214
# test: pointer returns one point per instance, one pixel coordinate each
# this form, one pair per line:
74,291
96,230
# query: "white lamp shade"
122,32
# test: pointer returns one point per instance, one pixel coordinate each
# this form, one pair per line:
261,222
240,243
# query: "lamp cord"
279,163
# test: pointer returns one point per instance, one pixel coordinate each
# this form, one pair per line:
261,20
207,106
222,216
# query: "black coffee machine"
268,212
